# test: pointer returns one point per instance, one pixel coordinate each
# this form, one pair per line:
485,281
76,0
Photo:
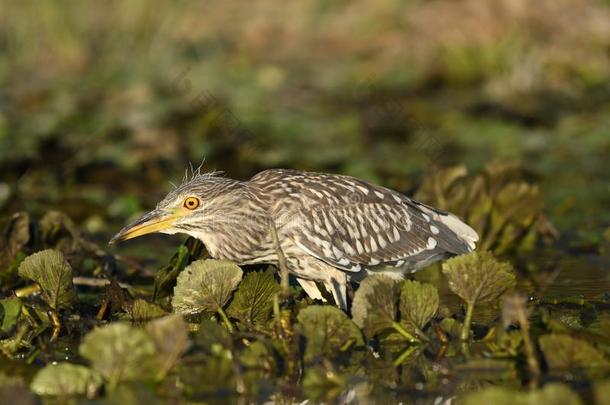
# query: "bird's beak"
154,221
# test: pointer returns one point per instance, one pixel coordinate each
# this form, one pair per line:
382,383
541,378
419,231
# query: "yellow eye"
191,203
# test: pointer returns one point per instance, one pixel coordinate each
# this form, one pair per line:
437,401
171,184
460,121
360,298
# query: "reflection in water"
581,276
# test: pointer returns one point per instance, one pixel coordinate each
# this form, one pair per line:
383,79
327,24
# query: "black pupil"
191,203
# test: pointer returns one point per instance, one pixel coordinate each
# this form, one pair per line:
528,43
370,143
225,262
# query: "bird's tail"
461,230
455,237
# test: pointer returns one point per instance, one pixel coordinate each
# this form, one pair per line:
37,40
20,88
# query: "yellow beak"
154,221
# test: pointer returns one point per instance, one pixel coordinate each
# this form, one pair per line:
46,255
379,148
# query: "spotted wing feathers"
352,224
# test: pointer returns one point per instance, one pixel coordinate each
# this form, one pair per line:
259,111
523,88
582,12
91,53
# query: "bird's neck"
235,225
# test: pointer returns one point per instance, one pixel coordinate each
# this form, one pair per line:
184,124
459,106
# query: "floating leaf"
142,310
479,277
214,375
165,279
322,385
211,335
258,362
10,309
66,379
171,337
216,371
328,331
374,306
253,301
257,355
549,394
120,352
205,285
418,304
507,343
565,353
50,270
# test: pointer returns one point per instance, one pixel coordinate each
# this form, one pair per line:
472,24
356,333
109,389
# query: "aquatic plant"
504,208
224,331
53,275
66,379
206,285
120,352
253,301
477,278
382,304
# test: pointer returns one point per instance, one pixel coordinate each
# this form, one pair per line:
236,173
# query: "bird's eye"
191,203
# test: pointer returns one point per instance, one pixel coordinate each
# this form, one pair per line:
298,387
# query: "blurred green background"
103,103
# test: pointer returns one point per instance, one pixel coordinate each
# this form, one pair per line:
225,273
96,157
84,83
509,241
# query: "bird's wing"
350,223
391,231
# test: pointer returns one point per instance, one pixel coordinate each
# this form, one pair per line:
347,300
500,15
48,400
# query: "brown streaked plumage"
332,228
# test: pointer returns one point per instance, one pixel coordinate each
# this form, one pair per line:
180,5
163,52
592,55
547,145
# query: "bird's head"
189,208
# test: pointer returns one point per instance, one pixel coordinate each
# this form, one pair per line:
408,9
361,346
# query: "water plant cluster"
80,323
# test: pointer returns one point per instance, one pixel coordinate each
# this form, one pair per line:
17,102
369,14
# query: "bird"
332,229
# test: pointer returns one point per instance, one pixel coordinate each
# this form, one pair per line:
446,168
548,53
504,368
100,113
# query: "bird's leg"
314,270
311,289
284,277
337,284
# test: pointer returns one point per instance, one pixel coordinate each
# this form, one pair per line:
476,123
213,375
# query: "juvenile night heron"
332,229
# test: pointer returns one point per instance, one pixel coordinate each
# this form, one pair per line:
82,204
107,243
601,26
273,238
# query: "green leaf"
478,277
257,355
328,331
50,270
165,279
120,352
451,326
170,335
15,236
418,304
213,335
374,306
253,301
10,309
66,379
205,285
213,378
550,394
503,208
142,310
59,231
323,386
507,343
565,353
